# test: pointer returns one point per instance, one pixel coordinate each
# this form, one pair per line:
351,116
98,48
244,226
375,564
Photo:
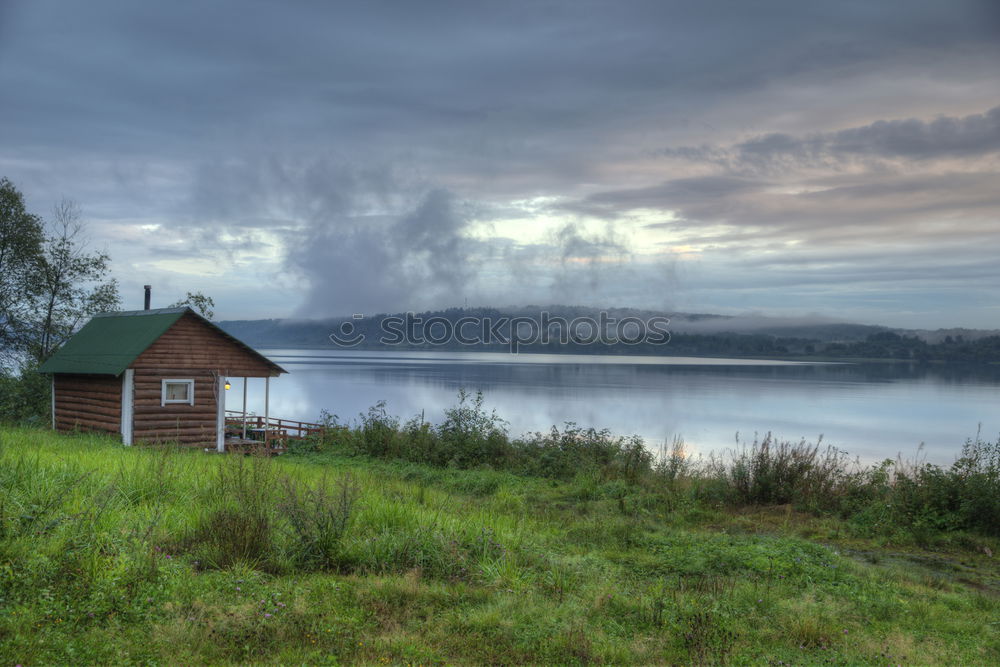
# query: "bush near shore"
895,495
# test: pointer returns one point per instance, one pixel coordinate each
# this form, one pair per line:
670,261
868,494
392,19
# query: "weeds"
770,472
705,639
318,518
238,521
379,432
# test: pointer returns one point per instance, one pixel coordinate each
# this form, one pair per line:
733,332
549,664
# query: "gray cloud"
358,240
425,257
912,138
889,208
920,196
942,137
701,197
356,264
515,83
356,151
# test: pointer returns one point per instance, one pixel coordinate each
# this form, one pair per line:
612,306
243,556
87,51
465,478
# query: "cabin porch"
245,433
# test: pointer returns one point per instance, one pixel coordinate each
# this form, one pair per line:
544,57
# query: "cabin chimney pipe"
147,288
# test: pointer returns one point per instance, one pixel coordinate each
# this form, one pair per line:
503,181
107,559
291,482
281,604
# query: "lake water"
873,411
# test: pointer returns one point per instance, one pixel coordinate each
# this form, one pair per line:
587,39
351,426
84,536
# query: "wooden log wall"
175,422
190,343
88,403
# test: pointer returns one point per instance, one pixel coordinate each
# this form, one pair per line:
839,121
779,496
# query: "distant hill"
282,332
305,332
956,334
691,334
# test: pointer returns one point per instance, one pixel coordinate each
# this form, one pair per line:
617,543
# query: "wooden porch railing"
272,432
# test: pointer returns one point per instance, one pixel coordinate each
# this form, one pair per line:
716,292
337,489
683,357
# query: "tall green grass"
160,555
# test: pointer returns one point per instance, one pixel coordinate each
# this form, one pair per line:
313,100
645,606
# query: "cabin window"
177,391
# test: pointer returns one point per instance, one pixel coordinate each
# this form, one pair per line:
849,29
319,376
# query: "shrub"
673,465
318,517
978,472
561,454
965,496
238,523
24,397
782,472
470,436
336,435
422,442
379,432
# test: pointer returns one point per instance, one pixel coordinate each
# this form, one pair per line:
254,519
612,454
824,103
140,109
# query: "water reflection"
873,411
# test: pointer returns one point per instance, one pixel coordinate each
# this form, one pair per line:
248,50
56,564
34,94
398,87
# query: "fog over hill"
316,332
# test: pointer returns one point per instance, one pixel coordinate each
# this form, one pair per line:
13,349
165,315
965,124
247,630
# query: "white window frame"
163,392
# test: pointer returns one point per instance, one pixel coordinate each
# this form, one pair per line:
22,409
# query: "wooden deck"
271,436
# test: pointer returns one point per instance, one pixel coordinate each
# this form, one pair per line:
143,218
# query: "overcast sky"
324,158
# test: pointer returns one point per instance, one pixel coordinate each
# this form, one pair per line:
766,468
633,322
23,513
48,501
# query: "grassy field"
141,555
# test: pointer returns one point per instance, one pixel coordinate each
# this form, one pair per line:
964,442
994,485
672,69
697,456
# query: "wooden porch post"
267,408
220,415
244,408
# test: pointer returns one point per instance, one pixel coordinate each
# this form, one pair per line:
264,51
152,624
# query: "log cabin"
151,375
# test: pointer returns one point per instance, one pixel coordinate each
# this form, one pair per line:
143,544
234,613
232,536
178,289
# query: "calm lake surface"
873,411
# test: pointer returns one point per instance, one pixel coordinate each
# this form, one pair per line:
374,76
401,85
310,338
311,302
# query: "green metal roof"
110,342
